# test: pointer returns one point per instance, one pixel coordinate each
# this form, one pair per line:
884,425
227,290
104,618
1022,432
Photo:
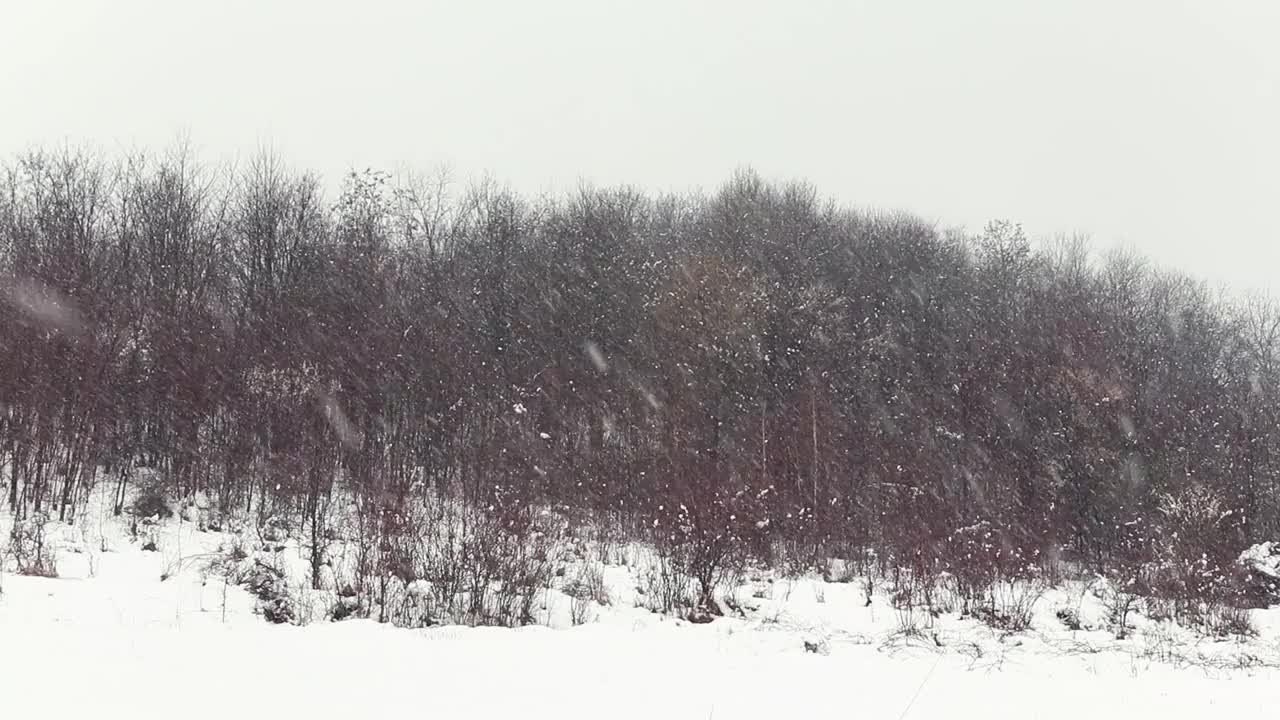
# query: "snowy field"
109,638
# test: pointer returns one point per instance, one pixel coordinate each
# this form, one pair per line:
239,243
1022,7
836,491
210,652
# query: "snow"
110,638
1263,557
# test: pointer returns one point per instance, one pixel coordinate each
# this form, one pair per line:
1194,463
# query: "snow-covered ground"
109,638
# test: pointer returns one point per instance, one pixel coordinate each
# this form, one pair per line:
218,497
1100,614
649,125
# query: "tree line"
723,374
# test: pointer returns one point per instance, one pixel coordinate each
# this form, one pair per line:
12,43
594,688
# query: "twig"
920,689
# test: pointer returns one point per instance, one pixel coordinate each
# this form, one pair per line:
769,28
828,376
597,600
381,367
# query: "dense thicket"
717,372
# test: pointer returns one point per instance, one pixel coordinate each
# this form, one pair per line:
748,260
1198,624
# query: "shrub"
797,558
342,609
665,586
1120,601
906,596
1069,617
711,536
1194,565
1160,644
996,580
581,610
972,561
445,561
1013,600
151,499
1159,609
588,585
905,614
30,549
273,530
1226,621
147,531
268,584
707,558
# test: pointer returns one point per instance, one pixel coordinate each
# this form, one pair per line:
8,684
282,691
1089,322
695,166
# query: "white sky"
1152,123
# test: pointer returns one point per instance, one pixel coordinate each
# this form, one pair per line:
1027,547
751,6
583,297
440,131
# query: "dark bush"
268,585
1069,618
151,502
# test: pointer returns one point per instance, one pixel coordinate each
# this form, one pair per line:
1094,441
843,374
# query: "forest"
447,374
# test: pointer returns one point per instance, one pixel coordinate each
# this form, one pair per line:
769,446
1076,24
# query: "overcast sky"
1152,123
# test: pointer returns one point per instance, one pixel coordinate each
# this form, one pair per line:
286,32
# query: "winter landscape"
720,360
743,454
